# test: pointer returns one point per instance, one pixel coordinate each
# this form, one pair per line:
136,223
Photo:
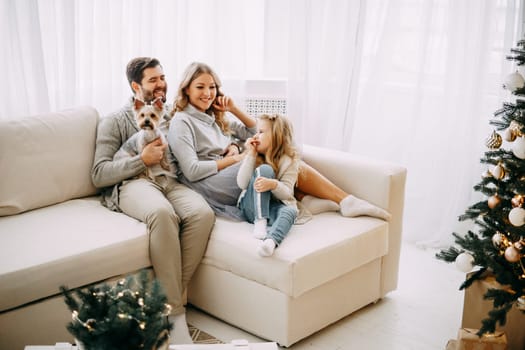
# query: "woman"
205,145
204,142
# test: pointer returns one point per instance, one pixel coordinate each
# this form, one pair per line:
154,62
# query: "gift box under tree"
476,308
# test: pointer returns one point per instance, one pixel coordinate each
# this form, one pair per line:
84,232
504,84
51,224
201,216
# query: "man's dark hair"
136,67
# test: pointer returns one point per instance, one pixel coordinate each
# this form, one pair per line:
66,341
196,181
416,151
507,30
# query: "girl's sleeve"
286,182
245,172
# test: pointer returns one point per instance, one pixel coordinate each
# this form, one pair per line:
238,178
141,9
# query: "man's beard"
149,95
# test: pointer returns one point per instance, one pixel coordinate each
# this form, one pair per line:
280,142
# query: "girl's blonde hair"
192,72
282,140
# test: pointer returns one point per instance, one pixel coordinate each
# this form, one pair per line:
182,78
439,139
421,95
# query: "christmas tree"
132,314
497,244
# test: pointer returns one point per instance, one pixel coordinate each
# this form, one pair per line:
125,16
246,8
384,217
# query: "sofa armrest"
379,182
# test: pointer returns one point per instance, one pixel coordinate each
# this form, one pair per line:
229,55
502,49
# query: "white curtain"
431,82
410,81
63,53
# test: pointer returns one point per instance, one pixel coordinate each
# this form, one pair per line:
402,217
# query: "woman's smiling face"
202,92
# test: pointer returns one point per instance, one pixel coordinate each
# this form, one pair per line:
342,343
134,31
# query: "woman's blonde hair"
192,72
282,140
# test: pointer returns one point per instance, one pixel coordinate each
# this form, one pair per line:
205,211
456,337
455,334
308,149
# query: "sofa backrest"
46,159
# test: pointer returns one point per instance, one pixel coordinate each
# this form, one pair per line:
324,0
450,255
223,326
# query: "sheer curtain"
62,53
431,80
409,81
413,82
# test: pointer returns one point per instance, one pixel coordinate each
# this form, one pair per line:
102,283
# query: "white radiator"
256,106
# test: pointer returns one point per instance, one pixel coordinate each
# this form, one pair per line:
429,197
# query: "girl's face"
202,92
263,136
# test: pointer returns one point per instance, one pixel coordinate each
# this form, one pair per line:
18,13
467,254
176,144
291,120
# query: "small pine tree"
132,314
498,245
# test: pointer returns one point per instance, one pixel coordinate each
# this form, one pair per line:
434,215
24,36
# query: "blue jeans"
262,205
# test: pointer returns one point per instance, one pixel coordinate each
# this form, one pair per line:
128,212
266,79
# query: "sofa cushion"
74,243
312,254
46,159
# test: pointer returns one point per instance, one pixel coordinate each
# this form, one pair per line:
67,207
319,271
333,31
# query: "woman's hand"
224,104
232,150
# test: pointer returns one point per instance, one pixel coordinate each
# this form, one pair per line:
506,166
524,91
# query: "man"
179,220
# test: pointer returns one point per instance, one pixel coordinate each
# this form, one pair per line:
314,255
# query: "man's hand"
153,152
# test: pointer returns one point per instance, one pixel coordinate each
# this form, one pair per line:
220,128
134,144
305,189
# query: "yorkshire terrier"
148,118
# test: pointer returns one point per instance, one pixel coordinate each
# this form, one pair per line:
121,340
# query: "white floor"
422,314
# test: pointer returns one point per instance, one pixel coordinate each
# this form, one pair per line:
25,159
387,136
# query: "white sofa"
54,231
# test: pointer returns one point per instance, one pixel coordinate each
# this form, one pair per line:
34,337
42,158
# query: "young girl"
267,175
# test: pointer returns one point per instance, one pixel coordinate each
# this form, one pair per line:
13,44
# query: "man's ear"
135,86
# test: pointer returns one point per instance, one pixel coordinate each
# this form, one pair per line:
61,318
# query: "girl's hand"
224,103
264,184
250,146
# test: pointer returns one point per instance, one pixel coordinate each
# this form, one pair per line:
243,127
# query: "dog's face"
148,116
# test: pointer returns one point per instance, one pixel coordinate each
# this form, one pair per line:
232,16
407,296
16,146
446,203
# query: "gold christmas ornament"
498,171
494,141
518,147
520,303
517,216
509,135
512,254
498,239
493,201
517,201
515,128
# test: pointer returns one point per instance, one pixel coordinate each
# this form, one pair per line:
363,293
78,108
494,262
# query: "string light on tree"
131,314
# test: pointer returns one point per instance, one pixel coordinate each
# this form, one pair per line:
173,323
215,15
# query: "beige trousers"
179,223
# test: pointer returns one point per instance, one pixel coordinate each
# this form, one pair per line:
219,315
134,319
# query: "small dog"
148,118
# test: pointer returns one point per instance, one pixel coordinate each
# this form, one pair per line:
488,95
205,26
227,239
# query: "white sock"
180,334
352,206
266,248
317,205
259,228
